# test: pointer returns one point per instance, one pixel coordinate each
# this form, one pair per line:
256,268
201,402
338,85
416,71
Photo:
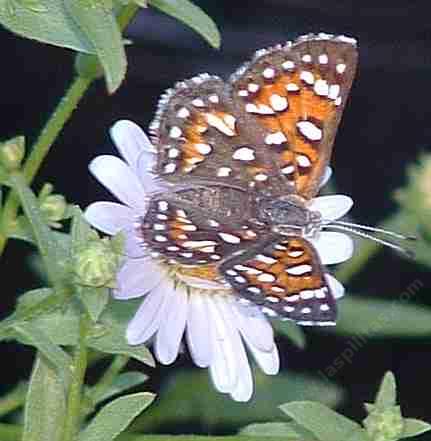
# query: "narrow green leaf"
34,336
120,384
384,318
192,16
49,22
286,430
115,417
96,20
324,423
292,331
413,427
387,394
45,405
111,338
51,251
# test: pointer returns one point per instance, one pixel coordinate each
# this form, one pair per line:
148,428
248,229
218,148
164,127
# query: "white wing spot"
175,132
277,289
289,308
297,253
203,149
292,87
173,248
229,238
265,259
197,102
183,113
240,279
303,161
269,311
261,177
288,170
324,307
334,91
224,172
278,103
276,138
292,299
198,243
266,277
244,154
187,255
163,205
306,58
321,293
214,99
307,77
170,168
243,93
306,310
306,294
254,289
253,87
173,153
162,217
159,227
213,223
231,272
288,65
219,124
188,227
280,247
299,270
310,130
321,87
273,299
268,73
160,238
340,68
323,59
215,257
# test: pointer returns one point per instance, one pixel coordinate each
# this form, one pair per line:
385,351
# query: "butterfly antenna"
375,229
405,252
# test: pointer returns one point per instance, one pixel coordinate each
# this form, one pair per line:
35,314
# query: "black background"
385,126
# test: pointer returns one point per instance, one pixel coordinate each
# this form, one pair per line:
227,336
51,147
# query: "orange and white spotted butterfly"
242,158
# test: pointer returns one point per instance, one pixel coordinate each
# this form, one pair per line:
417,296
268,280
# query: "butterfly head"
289,214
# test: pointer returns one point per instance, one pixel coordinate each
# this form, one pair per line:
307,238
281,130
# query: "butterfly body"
241,161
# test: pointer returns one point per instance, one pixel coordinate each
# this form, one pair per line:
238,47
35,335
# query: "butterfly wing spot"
323,59
244,154
340,68
278,103
183,113
268,73
229,238
175,132
224,123
321,87
307,77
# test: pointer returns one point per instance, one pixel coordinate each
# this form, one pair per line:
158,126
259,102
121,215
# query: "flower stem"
49,134
79,366
13,400
41,148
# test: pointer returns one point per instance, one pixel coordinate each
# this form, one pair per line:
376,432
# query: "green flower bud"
96,264
385,424
54,208
12,153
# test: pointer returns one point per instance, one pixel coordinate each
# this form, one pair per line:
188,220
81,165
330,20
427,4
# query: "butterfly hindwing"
297,92
199,225
285,276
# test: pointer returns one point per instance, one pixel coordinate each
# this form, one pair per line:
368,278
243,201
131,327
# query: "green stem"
105,382
75,398
49,134
10,432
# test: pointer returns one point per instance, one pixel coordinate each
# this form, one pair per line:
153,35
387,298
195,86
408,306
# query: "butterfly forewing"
199,225
297,92
285,276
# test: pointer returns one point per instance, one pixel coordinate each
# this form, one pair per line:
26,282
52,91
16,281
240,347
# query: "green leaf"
324,423
286,430
115,417
110,337
384,318
292,331
31,299
192,16
50,249
413,427
30,334
4,176
49,23
96,20
94,300
387,394
120,384
212,409
45,406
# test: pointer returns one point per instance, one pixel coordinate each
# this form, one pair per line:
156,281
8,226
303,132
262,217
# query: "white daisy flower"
180,302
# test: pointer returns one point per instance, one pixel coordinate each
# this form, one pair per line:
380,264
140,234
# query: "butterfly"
242,159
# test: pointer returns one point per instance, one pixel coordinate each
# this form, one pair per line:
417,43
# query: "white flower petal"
150,314
224,366
144,170
119,179
326,177
333,247
171,329
109,217
335,286
269,362
198,330
254,326
198,283
136,277
331,207
130,141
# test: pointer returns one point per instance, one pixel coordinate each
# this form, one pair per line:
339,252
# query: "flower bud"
385,424
54,208
12,153
96,264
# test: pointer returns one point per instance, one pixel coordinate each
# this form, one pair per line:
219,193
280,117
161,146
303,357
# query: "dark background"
385,126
